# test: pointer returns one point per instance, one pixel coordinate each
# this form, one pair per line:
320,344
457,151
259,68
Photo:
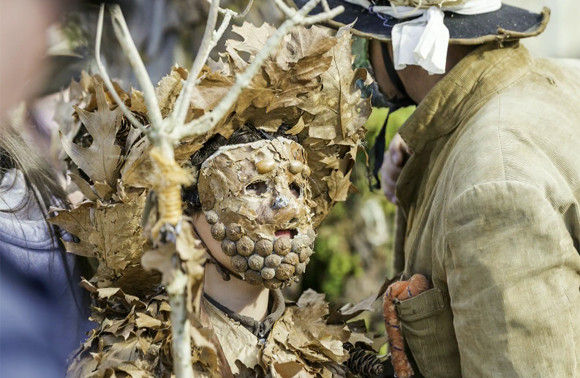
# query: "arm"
513,276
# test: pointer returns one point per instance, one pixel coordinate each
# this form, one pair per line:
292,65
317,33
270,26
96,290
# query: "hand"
394,160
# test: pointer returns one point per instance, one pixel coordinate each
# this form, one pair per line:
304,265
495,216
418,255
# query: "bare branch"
323,16
245,11
206,122
105,76
209,40
130,50
289,12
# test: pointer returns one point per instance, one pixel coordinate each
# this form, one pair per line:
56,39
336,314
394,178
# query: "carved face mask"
257,199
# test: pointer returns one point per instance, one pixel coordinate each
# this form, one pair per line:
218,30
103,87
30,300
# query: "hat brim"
507,23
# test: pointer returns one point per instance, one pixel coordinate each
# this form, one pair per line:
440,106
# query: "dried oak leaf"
338,108
253,41
112,234
101,159
301,338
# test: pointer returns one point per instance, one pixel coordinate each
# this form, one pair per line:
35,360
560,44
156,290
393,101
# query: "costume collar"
257,328
455,99
463,91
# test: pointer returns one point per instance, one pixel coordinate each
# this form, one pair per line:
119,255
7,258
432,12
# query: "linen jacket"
489,209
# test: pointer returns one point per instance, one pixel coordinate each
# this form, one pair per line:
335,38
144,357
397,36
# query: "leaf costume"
307,89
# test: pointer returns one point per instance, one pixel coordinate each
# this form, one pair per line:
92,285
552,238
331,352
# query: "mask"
257,199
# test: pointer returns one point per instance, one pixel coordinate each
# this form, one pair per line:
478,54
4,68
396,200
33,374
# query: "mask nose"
280,202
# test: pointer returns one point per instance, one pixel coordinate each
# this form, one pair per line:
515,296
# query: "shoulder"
523,134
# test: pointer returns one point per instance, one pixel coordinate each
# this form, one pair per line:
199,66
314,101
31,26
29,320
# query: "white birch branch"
126,41
207,43
289,12
105,76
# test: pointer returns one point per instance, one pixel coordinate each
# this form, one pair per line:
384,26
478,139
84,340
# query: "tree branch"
207,43
130,50
105,76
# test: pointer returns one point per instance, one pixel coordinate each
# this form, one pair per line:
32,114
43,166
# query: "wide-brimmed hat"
506,23
421,30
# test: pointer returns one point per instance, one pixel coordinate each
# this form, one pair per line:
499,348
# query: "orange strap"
399,291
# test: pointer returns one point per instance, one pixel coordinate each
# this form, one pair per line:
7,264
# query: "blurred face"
22,44
258,204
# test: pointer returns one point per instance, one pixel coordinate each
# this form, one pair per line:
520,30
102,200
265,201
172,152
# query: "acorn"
296,166
211,217
300,268
273,261
239,263
305,253
234,231
297,244
229,247
268,273
272,284
253,277
285,271
245,246
291,258
256,262
264,247
282,246
265,166
218,231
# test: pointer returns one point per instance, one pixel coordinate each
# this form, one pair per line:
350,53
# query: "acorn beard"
257,199
273,261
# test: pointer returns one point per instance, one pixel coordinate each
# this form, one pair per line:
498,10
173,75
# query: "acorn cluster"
273,263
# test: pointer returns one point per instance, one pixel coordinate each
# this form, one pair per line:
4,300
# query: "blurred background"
354,248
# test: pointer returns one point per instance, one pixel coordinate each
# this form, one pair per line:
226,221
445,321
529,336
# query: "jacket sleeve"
513,275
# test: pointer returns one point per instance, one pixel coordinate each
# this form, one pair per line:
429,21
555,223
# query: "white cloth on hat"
424,40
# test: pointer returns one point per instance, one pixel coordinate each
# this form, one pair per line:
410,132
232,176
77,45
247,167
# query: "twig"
206,122
130,50
245,11
209,40
105,76
289,12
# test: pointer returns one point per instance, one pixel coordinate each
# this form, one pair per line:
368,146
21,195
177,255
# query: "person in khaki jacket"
486,173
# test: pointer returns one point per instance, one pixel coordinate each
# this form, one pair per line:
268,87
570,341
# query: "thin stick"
105,76
245,11
289,12
208,41
130,50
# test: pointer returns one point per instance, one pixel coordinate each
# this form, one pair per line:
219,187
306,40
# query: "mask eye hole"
295,189
258,187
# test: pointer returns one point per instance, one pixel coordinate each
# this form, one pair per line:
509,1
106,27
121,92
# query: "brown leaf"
101,159
145,321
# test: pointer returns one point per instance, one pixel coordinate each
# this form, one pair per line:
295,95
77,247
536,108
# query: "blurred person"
486,174
42,312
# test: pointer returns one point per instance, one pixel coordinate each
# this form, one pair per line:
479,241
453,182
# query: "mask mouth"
290,233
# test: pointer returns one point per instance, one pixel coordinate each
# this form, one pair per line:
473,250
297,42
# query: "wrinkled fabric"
490,211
